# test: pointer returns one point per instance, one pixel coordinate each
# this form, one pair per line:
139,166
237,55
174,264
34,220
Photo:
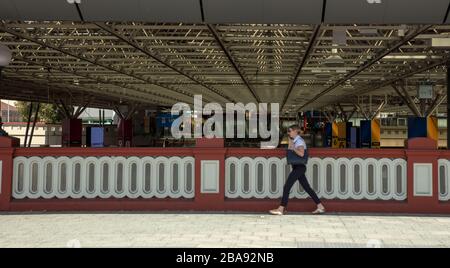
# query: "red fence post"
6,170
422,176
209,174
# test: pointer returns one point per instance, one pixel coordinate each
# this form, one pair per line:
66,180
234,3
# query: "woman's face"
292,133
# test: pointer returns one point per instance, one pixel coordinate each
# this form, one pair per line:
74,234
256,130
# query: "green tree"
47,112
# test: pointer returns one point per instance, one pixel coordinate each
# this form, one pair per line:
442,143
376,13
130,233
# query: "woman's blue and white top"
299,141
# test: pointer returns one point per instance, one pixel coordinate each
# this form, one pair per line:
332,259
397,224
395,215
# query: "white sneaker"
319,211
276,212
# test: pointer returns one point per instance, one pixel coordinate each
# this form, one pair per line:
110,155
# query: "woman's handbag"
294,159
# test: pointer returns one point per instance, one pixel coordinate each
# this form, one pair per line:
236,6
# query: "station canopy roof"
303,54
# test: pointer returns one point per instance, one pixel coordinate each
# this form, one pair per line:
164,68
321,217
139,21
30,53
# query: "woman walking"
298,149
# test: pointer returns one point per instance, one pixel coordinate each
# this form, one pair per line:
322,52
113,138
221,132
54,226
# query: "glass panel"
20,178
343,178
233,178
399,171
246,178
385,179
119,178
260,178
442,181
175,179
371,176
63,178
273,178
91,178
77,179
189,179
161,185
48,177
357,179
147,176
105,179
34,177
133,179
329,179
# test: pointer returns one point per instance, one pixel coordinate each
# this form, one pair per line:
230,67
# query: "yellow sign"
335,135
342,134
376,133
432,129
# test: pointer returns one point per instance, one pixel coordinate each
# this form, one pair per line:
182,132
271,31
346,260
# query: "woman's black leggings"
298,173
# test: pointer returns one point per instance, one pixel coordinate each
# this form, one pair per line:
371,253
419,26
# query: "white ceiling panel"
354,11
386,11
38,10
416,11
263,11
142,10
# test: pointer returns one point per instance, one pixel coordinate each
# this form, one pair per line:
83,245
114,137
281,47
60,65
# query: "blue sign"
417,127
97,137
366,133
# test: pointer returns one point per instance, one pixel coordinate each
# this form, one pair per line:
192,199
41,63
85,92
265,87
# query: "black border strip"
446,14
324,7
201,10
79,12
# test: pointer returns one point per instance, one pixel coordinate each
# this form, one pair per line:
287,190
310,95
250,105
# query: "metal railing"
103,177
331,178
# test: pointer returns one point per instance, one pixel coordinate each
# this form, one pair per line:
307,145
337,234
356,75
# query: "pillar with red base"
71,132
422,175
209,157
7,145
125,133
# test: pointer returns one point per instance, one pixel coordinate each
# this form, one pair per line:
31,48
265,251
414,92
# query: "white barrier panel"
103,177
444,179
341,178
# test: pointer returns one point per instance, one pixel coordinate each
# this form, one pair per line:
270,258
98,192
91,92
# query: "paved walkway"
221,230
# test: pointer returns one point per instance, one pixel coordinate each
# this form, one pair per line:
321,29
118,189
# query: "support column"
422,176
125,127
72,127
7,145
209,174
448,106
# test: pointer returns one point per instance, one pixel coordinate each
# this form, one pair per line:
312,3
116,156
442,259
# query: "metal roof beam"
91,61
98,80
130,41
302,63
392,81
222,45
375,59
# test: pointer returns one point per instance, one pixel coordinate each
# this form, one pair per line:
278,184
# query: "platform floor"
221,230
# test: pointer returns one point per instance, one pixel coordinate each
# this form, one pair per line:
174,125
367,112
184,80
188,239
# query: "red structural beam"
248,205
116,151
320,152
229,152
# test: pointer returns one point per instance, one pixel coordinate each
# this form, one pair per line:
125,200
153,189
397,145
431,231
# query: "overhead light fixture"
406,57
402,30
5,57
323,75
374,1
368,31
440,42
335,60
74,1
